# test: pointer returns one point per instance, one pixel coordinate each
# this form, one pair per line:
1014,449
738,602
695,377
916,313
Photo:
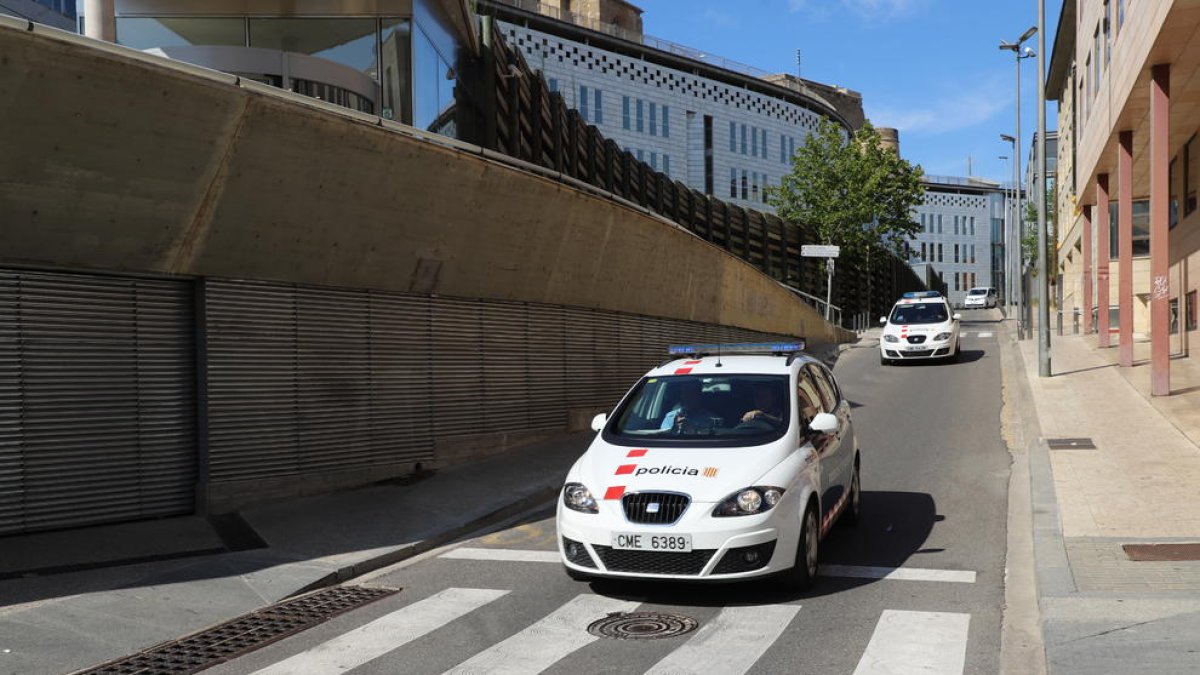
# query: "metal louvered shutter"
97,399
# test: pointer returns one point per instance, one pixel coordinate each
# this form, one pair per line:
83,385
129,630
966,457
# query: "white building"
962,222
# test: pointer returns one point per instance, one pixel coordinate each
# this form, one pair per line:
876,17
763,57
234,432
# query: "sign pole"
828,286
829,253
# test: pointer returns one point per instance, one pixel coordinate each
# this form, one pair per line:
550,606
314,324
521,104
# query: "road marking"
904,643
984,334
502,554
730,643
546,642
899,573
356,647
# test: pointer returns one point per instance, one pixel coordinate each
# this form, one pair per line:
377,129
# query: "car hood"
706,474
918,328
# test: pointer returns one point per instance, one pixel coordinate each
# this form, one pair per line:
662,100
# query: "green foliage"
1030,242
858,194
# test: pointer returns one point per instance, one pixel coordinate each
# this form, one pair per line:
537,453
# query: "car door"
839,448
809,402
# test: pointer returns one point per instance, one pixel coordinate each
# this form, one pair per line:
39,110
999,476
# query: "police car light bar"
921,294
740,348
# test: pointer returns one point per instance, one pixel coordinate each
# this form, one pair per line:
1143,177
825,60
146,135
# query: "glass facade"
402,68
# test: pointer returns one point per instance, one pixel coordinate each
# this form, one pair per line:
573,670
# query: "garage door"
97,399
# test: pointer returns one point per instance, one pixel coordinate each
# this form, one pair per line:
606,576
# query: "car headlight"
748,502
942,336
890,338
578,498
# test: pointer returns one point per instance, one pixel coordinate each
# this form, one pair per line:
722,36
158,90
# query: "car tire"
853,514
957,356
804,570
884,361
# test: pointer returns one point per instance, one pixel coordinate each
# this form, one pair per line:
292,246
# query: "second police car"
726,462
920,327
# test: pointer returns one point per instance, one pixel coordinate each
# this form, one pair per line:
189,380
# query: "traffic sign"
816,251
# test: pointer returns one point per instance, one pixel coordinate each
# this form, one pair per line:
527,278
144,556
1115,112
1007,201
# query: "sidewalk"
1101,611
192,575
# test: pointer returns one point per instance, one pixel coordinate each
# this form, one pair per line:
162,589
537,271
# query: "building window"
1120,14
940,257
745,185
666,121
733,136
708,155
1191,172
733,183
1141,229
597,108
754,181
639,155
922,251
667,164
764,144
1191,310
654,161
783,156
939,223
956,253
553,84
641,122
754,141
1107,32
743,139
583,103
624,112
955,224
653,119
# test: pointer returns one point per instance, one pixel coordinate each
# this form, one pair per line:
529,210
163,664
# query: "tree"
1029,243
858,194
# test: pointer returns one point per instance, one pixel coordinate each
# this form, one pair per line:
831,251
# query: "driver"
689,414
766,406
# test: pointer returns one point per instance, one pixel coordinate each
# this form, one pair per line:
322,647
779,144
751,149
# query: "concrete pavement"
1101,611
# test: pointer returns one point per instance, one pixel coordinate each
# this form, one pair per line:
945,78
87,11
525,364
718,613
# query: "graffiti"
1162,289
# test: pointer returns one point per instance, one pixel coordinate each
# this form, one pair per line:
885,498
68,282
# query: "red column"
1125,244
1102,255
1087,270
1160,194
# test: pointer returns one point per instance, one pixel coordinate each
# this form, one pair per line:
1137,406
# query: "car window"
920,312
826,387
702,410
977,291
808,400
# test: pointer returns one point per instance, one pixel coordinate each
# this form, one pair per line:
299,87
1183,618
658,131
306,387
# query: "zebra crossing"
932,643
977,333
733,640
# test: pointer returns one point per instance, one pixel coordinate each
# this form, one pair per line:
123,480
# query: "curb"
349,572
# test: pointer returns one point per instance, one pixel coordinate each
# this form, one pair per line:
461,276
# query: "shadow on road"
894,527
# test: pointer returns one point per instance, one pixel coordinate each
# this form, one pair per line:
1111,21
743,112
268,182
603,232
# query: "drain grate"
1070,444
642,626
1162,552
229,640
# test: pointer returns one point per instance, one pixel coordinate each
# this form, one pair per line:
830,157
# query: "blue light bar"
921,294
740,348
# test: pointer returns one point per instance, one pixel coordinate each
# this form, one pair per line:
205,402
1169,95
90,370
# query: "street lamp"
1002,281
1015,48
1043,264
1011,253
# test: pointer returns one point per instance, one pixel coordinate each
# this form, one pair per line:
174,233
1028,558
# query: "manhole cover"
1162,552
1070,444
642,625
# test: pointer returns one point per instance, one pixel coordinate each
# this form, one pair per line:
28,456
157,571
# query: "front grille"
920,352
577,553
654,508
916,339
653,562
735,560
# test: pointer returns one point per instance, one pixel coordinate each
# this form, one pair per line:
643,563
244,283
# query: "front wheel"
802,574
884,361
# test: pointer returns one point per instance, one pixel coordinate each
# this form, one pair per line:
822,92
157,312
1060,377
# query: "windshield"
977,291
701,410
921,312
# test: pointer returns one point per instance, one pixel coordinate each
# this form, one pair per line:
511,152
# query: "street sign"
815,251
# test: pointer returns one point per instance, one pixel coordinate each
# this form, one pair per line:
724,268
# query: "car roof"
731,364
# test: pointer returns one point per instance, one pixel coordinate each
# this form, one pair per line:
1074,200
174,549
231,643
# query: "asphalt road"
935,474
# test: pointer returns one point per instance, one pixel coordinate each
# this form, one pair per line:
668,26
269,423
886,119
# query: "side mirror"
824,423
956,317
882,320
599,421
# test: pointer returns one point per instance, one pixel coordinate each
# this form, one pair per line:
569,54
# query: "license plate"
663,543
915,348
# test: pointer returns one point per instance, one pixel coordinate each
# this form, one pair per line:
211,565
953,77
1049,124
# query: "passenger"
766,406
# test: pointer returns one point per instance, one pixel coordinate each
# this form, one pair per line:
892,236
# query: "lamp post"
1043,264
1011,252
1015,48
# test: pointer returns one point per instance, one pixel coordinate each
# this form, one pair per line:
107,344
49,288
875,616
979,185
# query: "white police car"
726,462
920,326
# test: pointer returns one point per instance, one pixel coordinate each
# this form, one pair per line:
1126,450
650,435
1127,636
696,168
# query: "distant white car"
981,296
919,327
718,465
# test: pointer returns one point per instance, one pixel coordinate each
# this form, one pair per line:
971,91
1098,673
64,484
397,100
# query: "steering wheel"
755,424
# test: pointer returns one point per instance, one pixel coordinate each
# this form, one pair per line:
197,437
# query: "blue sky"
931,68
